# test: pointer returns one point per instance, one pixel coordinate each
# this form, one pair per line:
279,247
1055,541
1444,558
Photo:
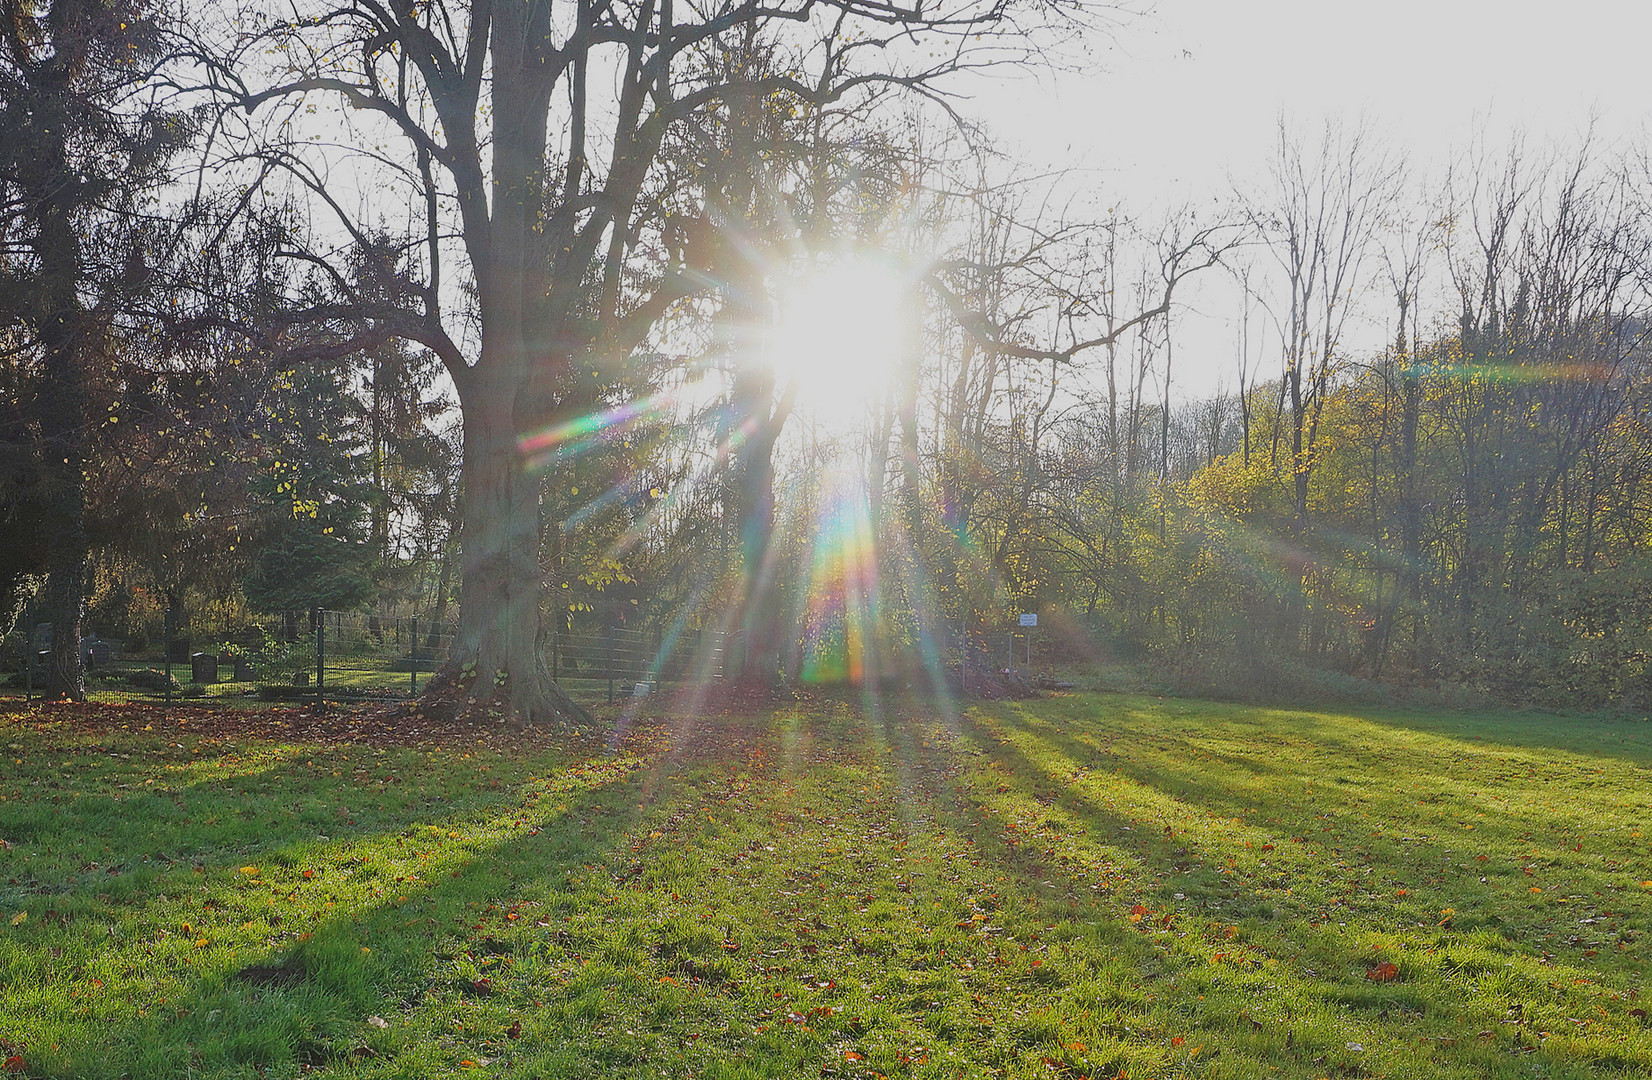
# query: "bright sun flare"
839,338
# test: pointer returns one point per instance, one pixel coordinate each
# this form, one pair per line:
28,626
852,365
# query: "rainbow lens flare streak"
840,620
569,439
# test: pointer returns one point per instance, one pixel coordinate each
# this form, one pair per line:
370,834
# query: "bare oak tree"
516,151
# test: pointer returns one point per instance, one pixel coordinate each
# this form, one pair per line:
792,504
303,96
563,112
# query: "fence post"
167,630
320,654
556,651
610,662
28,651
413,656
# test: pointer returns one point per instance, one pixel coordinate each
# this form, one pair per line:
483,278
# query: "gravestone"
203,668
95,652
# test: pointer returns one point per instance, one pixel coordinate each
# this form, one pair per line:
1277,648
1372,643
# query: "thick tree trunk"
499,634
759,618
497,649
62,406
64,605
64,528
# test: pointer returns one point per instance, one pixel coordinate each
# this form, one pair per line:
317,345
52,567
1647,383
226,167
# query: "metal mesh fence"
374,656
352,656
618,661
359,656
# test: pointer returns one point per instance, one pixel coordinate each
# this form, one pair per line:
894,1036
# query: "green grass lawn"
1089,885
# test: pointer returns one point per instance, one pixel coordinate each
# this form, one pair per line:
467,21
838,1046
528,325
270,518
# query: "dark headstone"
203,668
94,651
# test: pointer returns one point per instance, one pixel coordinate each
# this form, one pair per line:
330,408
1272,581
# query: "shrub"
153,679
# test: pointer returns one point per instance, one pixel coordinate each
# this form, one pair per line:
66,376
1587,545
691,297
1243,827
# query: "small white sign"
1029,619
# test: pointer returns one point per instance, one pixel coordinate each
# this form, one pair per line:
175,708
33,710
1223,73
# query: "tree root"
455,694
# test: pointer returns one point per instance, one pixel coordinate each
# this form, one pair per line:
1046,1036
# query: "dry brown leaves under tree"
375,724
450,716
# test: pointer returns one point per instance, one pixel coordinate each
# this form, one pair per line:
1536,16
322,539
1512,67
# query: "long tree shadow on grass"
1327,931
1099,869
1628,738
301,980
1423,835
1426,813
108,831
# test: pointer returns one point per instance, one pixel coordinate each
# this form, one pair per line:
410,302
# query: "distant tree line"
1464,508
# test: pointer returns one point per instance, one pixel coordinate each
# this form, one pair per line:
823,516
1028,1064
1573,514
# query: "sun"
842,332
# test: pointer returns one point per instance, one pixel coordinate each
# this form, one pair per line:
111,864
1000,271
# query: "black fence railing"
621,661
364,656
335,655
379,657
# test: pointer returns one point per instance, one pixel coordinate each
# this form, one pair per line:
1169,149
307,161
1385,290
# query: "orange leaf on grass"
1383,972
15,1063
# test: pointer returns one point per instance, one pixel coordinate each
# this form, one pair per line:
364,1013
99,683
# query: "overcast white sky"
1191,90
1186,100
